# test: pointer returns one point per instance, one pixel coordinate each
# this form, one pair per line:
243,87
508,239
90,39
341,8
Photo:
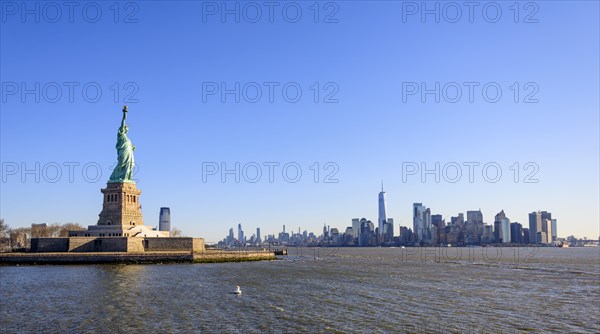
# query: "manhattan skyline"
429,228
366,126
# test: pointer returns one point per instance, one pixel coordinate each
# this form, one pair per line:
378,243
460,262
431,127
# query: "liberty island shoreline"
91,258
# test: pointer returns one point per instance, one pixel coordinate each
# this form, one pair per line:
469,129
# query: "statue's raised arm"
124,117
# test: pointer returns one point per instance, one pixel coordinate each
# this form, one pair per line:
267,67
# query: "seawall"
209,256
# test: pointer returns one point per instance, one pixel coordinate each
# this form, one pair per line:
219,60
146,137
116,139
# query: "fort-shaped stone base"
116,244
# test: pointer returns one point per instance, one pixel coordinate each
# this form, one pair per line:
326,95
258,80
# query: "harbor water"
333,290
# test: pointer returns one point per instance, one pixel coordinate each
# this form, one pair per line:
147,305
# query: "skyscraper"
362,221
284,236
355,227
164,219
488,234
554,233
474,228
458,220
525,233
382,216
535,225
258,239
547,229
498,226
542,237
437,221
367,237
516,234
505,230
389,229
349,236
240,233
547,225
422,222
546,215
475,217
405,234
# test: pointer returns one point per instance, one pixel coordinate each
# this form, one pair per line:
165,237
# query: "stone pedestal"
121,215
121,206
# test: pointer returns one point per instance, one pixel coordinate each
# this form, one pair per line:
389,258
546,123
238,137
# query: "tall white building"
547,228
554,233
355,227
382,217
505,230
542,237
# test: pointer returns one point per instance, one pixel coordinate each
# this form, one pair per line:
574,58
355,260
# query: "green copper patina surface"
124,168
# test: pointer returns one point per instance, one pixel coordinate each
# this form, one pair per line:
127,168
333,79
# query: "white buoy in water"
237,291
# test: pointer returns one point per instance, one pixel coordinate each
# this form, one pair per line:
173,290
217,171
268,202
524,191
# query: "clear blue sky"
175,47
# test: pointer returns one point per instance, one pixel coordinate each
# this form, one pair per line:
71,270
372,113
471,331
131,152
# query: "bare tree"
65,228
175,232
3,228
53,230
39,230
20,237
4,240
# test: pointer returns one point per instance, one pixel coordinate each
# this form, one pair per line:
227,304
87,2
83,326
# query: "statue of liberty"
124,168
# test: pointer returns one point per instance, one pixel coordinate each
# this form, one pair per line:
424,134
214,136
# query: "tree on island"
4,241
176,233
3,228
65,228
55,230
20,238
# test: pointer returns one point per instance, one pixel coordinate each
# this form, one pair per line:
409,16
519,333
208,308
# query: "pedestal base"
121,205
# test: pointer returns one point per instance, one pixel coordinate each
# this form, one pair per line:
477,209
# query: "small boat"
237,291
